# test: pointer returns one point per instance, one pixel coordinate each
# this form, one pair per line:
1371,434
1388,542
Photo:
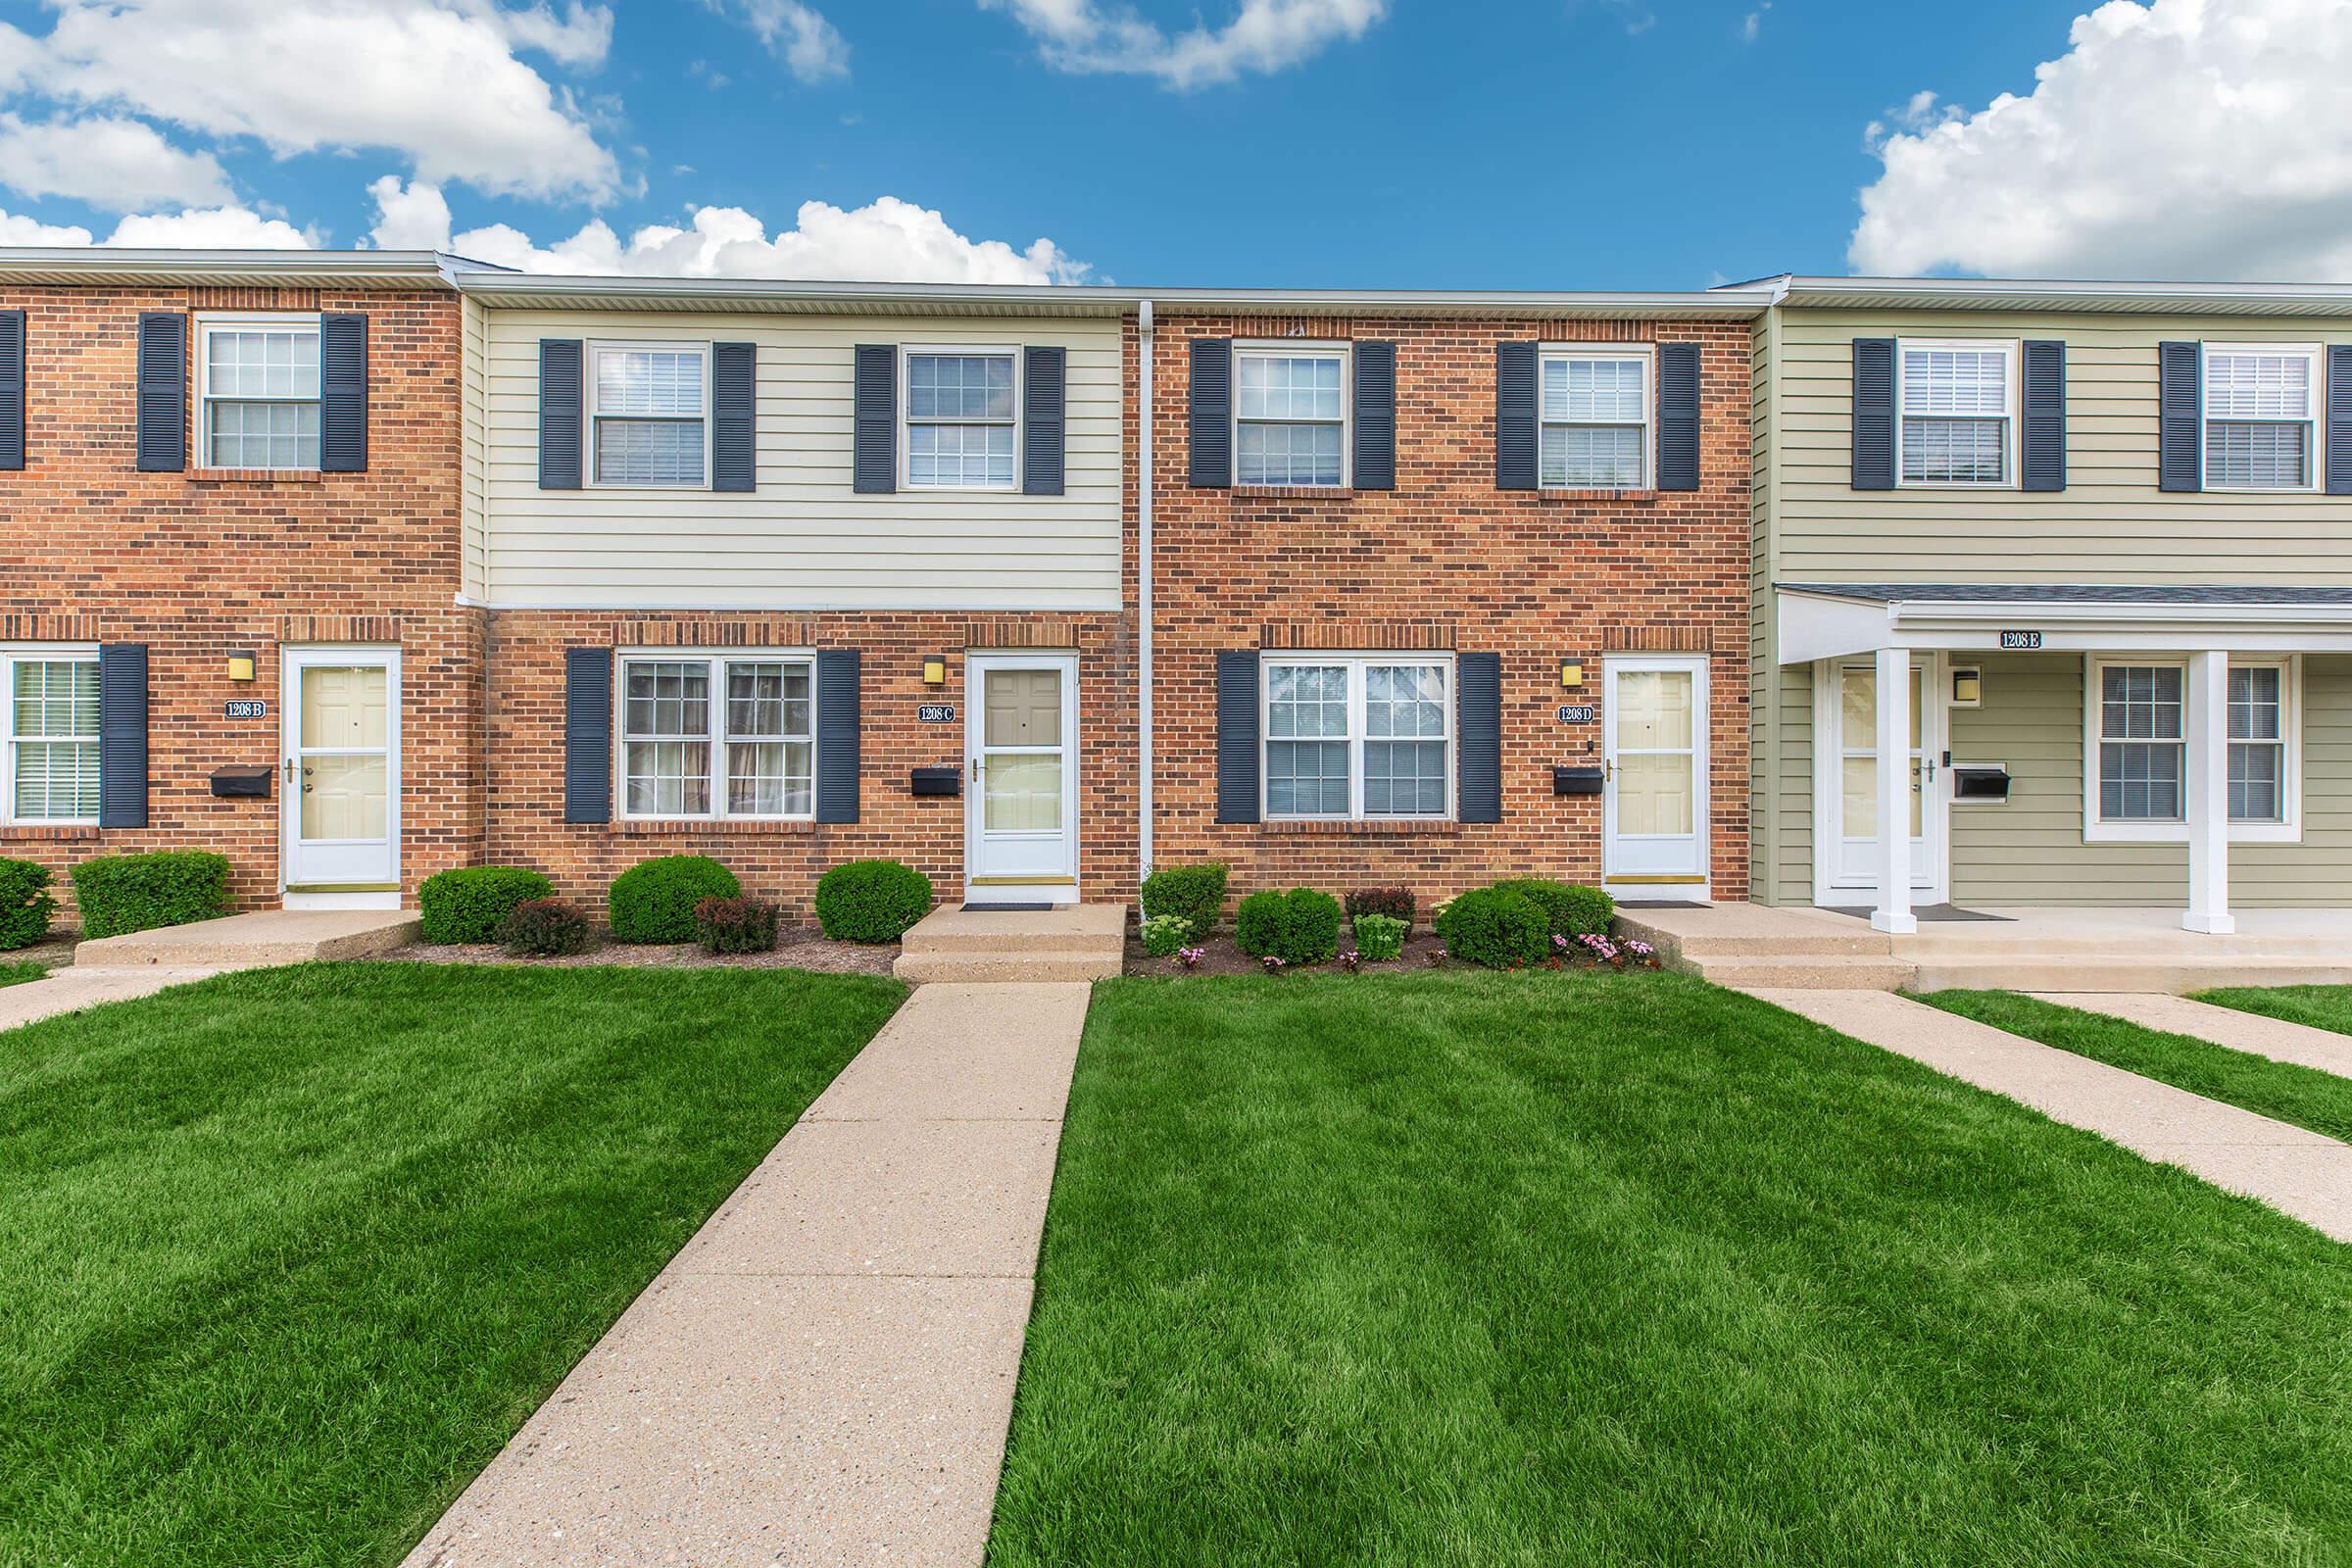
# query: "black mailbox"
936,781
1576,781
243,782
1980,781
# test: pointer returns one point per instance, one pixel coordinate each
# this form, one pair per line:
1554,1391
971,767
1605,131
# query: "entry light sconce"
935,672
241,665
1572,674
1968,688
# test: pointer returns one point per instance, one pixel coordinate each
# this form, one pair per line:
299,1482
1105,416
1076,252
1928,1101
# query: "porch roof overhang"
1835,621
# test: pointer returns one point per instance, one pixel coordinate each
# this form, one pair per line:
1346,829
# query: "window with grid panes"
721,736
258,393
1290,416
962,415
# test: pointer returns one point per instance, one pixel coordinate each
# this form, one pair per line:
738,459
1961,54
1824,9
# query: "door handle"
975,770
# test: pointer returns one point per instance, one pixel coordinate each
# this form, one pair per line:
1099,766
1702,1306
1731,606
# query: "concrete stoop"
255,941
1075,941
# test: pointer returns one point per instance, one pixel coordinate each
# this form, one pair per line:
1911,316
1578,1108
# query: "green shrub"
468,904
736,925
1496,927
1380,937
872,900
1164,934
1569,910
26,904
1301,926
1395,902
124,893
1196,893
544,928
654,900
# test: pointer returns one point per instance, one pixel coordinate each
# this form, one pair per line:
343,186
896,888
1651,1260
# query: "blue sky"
1482,143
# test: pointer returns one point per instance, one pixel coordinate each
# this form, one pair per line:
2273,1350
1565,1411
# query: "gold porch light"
242,664
935,670
1572,674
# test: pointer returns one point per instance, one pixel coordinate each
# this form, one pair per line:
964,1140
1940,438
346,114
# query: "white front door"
1653,802
1021,725
341,710
1849,781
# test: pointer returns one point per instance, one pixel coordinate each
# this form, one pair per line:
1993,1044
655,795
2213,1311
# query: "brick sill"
1364,830
255,476
1293,492
50,832
1633,498
673,830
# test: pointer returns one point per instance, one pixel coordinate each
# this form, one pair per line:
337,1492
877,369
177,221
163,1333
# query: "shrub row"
1512,923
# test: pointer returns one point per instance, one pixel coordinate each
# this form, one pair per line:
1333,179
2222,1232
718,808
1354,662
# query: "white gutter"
1143,587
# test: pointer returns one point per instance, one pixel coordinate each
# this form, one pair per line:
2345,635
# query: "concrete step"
1862,944
1742,931
1078,927
1819,972
2163,974
1941,942
254,941
1029,964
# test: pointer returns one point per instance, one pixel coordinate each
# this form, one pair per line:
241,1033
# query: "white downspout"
1143,588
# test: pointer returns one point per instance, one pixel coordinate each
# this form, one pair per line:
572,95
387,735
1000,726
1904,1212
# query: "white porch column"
1894,913
2206,800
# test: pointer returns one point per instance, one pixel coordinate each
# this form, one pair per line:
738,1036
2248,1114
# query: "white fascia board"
1815,626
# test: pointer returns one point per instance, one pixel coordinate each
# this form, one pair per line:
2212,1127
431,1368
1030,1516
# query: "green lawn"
289,1255
16,972
2320,1006
2304,1096
1456,1268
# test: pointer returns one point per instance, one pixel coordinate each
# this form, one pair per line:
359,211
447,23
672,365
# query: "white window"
2138,729
49,735
1290,416
256,391
2261,413
1956,411
717,735
648,415
1594,417
962,419
1358,735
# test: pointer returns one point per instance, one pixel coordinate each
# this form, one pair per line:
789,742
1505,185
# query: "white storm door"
1021,771
341,776
1653,805
1853,785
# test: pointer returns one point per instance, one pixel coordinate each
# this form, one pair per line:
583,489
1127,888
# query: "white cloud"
108,161
17,230
411,217
811,48
224,227
1266,36
437,80
2183,140
1751,26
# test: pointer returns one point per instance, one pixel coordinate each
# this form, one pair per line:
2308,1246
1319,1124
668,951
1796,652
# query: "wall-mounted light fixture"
242,664
1572,674
1967,687
935,670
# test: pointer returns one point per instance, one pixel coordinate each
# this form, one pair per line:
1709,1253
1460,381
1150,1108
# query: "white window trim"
248,320
2288,830
2315,443
2012,354
719,658
1357,688
908,353
595,419
1298,348
1647,353
35,653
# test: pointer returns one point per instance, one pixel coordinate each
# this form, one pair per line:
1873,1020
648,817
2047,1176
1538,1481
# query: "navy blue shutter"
837,735
1478,736
12,389
1211,415
1043,390
587,734
2340,419
1375,417
1514,416
734,416
2041,463
342,393
1873,414
1678,416
2179,417
123,735
562,377
163,391
874,421
1237,736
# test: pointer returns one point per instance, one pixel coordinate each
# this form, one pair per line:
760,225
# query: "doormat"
1930,912
1007,909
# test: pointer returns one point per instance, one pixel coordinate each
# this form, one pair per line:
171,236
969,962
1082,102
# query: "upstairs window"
256,381
1957,405
648,415
1290,416
49,735
1595,416
2260,411
962,410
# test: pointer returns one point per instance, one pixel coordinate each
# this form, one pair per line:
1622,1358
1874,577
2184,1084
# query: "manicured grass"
285,1257
2304,1096
17,972
2320,1006
1456,1268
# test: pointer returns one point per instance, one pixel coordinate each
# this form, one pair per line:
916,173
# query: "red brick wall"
195,566
1448,560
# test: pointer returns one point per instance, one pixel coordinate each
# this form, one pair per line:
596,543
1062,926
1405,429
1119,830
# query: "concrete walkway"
70,990
824,1374
2274,1038
2296,1173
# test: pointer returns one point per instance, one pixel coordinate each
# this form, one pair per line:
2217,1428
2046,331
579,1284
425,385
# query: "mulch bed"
1226,958
797,947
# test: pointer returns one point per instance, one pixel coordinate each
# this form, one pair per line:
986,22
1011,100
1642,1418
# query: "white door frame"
1048,885
1930,870
1697,885
375,892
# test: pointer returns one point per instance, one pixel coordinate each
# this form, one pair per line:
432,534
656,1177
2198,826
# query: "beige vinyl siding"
803,540
473,535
